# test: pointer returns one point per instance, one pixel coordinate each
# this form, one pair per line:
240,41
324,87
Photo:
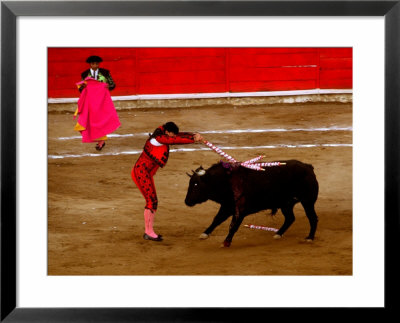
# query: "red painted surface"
204,70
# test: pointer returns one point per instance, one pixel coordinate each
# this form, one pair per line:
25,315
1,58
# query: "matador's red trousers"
142,174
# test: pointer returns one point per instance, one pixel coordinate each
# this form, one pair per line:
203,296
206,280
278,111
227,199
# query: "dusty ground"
95,212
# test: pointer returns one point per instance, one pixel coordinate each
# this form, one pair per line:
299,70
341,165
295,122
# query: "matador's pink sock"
148,223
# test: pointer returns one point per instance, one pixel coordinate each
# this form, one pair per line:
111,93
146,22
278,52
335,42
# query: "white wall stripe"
211,95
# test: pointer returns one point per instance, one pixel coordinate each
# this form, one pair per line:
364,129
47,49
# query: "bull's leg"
239,198
238,217
312,218
287,212
221,216
234,226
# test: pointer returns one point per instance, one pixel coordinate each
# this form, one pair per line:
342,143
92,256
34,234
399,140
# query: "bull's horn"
189,175
201,172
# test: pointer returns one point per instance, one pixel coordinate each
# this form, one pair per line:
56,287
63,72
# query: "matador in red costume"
155,154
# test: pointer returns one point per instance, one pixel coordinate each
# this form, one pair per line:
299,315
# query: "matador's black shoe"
98,147
147,237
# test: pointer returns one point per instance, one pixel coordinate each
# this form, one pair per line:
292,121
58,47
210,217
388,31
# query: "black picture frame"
10,10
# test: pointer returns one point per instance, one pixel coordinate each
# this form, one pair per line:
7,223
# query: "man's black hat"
94,59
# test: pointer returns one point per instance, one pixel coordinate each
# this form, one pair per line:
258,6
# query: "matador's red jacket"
157,146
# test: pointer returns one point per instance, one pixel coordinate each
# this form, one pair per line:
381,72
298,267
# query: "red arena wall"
203,70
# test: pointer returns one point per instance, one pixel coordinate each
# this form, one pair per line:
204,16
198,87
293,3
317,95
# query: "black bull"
241,191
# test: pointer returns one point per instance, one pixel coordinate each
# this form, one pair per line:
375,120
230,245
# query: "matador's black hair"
171,127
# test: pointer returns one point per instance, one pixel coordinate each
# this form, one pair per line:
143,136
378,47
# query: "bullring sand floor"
95,212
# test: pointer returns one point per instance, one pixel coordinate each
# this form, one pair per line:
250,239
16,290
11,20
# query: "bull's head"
197,191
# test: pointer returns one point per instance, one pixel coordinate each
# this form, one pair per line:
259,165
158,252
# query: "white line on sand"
236,131
136,152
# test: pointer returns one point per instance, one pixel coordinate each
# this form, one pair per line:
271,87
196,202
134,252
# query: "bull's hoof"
203,236
308,239
226,244
277,236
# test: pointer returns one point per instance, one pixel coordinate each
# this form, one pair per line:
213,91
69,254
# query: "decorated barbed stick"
219,151
248,164
254,160
270,164
259,227
252,166
230,158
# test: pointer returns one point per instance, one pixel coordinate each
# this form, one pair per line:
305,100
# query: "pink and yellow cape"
97,116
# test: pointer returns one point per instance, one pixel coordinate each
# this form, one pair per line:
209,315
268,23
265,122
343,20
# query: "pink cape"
97,114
